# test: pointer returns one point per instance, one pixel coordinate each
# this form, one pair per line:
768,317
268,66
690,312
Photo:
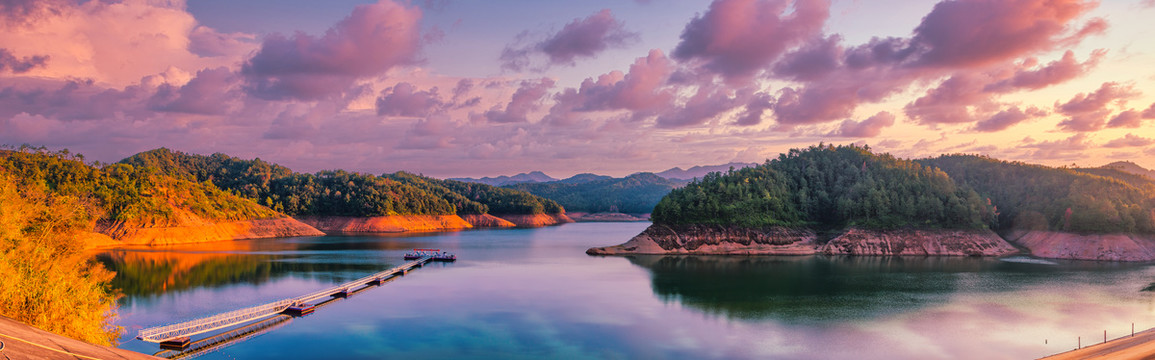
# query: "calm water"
534,293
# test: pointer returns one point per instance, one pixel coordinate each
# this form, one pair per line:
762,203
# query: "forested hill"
635,194
124,193
1035,197
828,187
339,192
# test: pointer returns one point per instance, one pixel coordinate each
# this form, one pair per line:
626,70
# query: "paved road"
25,342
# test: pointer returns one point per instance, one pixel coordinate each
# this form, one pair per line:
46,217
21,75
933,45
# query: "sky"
482,88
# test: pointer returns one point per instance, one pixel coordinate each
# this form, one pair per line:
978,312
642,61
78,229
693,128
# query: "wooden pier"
176,335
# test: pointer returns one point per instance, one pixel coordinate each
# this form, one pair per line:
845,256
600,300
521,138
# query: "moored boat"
435,254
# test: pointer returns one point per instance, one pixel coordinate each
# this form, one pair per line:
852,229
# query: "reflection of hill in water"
150,271
817,288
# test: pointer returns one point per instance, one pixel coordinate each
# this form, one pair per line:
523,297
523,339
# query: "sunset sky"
483,88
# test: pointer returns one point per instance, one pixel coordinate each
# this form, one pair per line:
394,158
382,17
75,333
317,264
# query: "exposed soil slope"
1108,247
25,342
386,224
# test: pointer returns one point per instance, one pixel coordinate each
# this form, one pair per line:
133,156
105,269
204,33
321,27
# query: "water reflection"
807,289
151,271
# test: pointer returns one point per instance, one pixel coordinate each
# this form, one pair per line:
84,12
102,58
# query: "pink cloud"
9,62
706,104
982,32
975,42
1150,112
755,109
371,40
1129,140
581,38
949,102
68,100
206,41
640,91
812,61
429,133
209,93
526,99
816,103
1070,148
1089,111
738,38
1106,94
870,127
1127,119
1007,118
23,12
404,99
1058,71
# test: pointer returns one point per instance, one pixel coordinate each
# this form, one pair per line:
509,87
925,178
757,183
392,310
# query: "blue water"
534,293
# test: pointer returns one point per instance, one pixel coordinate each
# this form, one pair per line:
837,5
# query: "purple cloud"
1061,149
738,38
1089,111
205,41
1127,119
371,40
1129,140
706,104
870,127
1056,72
70,100
9,62
1007,118
581,38
982,32
207,94
1150,112
640,91
404,99
812,61
527,99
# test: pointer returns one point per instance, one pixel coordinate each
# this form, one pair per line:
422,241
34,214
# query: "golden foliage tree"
46,279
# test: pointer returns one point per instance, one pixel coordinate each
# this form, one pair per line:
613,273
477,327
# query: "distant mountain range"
699,171
530,177
676,173
588,193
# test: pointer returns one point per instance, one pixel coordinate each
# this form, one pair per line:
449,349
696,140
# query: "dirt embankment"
919,242
25,342
122,233
184,227
704,239
1108,247
386,224
487,221
536,220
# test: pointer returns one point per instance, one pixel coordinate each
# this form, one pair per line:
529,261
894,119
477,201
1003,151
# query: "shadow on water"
809,289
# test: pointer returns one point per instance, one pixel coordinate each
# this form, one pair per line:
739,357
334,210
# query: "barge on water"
436,254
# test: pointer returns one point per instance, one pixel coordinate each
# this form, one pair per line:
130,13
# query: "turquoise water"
534,293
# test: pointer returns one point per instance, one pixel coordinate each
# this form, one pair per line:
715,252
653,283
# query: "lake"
534,293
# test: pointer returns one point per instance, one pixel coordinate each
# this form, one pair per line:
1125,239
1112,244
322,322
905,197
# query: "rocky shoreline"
733,240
